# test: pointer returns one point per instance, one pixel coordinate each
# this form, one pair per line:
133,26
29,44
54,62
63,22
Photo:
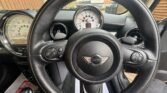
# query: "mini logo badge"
97,59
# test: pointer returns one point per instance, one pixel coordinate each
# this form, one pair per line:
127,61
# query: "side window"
160,11
20,4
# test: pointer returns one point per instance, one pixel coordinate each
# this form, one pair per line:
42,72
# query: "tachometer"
17,29
88,17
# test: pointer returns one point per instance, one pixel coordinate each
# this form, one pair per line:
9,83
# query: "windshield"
20,4
107,6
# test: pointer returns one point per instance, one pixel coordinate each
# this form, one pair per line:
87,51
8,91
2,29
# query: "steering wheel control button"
138,58
50,53
93,56
53,51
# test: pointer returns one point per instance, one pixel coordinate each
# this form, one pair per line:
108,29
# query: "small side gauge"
88,17
58,31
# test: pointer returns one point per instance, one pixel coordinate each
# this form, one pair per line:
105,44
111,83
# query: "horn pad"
93,55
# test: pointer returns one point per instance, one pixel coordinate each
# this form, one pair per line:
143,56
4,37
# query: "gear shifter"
27,90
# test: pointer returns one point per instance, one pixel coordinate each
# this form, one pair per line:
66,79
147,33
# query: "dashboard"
15,26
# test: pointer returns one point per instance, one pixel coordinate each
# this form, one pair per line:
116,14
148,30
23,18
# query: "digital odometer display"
17,28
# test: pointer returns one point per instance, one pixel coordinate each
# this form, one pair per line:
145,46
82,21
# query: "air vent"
58,31
135,33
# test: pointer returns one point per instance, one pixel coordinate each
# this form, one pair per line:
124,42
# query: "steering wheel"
93,56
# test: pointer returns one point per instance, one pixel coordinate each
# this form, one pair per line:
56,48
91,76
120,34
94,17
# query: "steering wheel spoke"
138,58
50,51
54,51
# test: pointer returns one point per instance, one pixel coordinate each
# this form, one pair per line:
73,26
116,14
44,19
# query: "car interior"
83,46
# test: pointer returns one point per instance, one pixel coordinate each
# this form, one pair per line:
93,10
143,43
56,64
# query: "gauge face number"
17,28
87,19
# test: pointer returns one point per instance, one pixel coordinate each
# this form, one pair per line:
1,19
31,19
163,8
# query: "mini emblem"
97,59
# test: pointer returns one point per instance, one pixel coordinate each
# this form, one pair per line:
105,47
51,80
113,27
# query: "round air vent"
135,33
58,31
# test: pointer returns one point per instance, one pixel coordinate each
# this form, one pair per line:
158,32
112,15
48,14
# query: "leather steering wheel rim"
39,34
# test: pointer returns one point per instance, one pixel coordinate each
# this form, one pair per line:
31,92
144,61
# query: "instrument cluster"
15,27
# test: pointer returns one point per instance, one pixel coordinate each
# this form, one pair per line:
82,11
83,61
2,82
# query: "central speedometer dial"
88,17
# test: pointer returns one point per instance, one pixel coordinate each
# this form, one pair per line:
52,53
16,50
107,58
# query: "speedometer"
17,28
88,17
14,29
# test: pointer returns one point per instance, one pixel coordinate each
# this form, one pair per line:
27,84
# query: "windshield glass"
21,4
107,6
